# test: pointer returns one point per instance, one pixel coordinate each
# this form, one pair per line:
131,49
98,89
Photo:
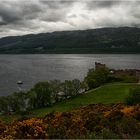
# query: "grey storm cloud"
101,4
19,17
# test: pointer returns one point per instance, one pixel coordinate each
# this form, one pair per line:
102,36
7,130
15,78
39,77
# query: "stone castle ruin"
118,72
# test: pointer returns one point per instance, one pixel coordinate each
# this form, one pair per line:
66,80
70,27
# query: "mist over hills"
102,40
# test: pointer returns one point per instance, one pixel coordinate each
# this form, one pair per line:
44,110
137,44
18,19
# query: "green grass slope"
107,94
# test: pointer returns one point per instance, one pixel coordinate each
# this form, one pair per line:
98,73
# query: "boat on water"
19,82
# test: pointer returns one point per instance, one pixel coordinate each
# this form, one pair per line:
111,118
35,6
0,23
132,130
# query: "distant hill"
103,40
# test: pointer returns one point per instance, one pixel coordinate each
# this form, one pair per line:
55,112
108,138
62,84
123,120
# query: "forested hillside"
103,40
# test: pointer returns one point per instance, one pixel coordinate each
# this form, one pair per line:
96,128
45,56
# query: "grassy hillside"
104,40
111,93
89,121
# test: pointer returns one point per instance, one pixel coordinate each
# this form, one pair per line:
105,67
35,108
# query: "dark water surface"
33,68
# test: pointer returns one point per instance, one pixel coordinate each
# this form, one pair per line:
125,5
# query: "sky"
20,17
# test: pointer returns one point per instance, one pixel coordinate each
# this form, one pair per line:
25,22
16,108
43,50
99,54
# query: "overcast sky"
18,17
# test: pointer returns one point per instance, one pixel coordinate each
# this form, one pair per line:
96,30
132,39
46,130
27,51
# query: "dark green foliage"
112,79
55,86
42,94
14,103
76,86
104,40
4,104
134,96
71,87
129,79
108,134
18,101
104,134
127,127
96,77
67,87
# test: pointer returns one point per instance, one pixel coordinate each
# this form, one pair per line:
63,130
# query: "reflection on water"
33,68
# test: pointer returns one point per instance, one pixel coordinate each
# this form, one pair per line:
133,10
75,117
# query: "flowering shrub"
65,125
92,121
2,127
26,129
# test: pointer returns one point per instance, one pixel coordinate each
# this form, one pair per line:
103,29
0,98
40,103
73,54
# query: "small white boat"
19,82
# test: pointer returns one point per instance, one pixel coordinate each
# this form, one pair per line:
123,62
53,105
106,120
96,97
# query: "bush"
97,77
108,134
129,79
90,122
104,134
134,97
26,129
65,126
127,127
40,95
2,127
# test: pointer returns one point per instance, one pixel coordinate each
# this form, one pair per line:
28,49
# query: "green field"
111,93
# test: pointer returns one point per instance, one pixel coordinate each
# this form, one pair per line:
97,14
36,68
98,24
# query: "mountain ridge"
100,40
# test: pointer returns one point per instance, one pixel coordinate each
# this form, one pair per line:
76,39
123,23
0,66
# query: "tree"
4,106
67,88
96,77
18,102
76,86
42,94
55,86
134,96
32,96
84,86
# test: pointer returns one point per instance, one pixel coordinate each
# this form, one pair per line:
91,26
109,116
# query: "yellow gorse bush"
120,119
